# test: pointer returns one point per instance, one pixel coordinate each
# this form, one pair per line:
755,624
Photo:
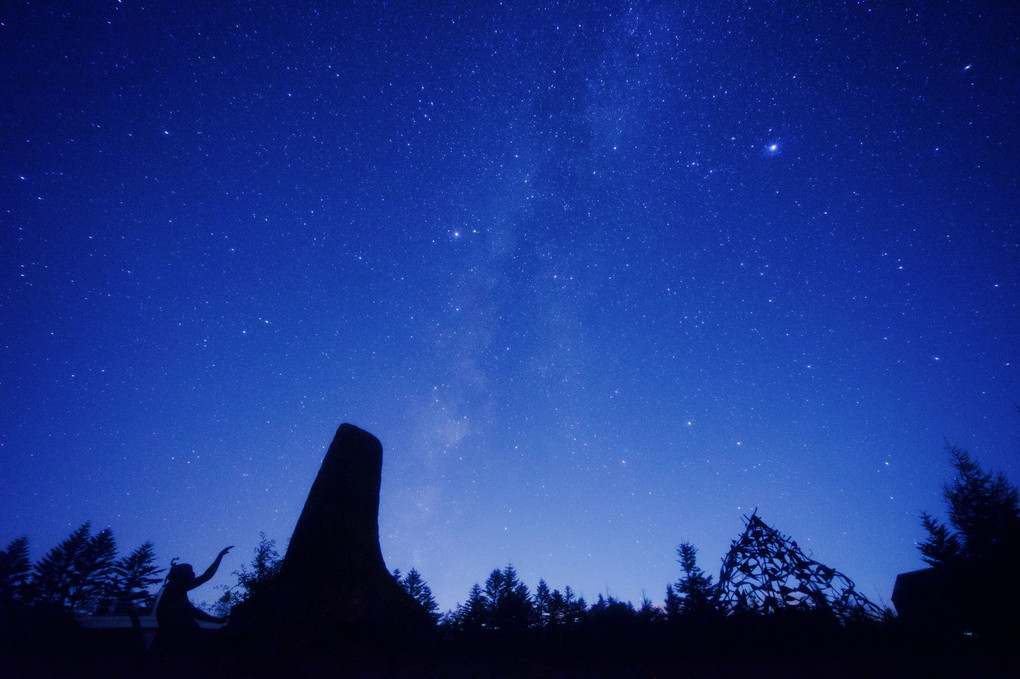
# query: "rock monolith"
333,579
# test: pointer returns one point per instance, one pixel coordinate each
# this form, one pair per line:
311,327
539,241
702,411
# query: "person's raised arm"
211,571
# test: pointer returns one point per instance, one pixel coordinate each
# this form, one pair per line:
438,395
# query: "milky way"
600,281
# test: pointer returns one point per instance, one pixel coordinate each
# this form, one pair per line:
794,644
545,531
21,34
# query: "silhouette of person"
177,618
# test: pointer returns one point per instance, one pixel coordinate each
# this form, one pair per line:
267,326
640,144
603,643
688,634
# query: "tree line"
972,553
82,575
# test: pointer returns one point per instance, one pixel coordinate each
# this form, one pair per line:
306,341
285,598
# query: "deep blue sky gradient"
600,280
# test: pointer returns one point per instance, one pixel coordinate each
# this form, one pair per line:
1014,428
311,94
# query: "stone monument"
333,580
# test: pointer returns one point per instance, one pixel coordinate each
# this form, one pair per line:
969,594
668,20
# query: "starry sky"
600,280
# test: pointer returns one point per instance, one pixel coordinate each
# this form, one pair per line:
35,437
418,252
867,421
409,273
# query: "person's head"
180,573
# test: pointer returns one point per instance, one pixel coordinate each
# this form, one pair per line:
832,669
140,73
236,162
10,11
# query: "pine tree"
576,609
557,607
611,612
473,614
543,604
942,546
564,609
509,600
93,576
984,512
415,585
693,594
979,549
53,577
135,574
649,612
15,568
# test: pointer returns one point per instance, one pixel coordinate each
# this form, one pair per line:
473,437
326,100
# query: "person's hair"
179,572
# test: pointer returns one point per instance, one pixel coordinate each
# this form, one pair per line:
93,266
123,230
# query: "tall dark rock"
333,579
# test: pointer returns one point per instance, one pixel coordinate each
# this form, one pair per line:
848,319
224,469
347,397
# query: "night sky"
600,281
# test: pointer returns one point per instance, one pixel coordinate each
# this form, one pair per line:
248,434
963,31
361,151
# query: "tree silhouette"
81,575
648,612
264,570
415,585
974,556
53,576
15,568
557,608
984,511
134,576
508,599
504,604
565,609
94,574
473,614
543,599
942,546
693,595
78,573
610,612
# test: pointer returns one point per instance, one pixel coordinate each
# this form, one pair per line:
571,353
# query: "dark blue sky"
600,281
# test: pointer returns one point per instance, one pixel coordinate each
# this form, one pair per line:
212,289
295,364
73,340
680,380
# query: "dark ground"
58,648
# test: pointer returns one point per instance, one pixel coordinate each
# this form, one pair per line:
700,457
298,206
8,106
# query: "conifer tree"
415,585
976,554
574,608
984,512
648,612
474,613
509,601
135,575
565,608
693,594
15,568
611,612
543,604
93,574
53,577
